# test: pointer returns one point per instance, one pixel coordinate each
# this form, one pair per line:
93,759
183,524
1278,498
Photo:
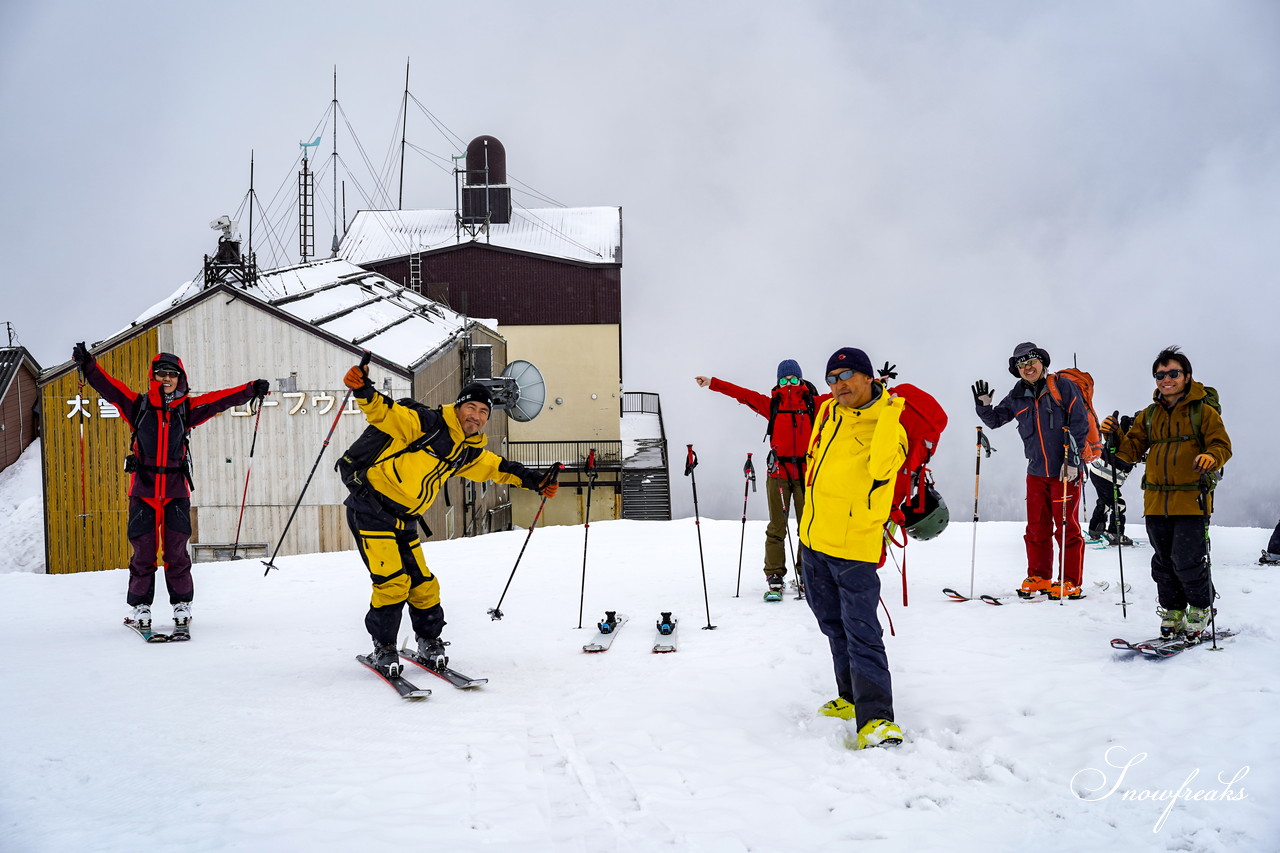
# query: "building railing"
644,402
571,454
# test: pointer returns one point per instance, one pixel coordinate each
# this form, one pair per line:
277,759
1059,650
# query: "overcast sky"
932,181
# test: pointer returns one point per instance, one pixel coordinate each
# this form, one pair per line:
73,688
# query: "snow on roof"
591,235
11,359
395,323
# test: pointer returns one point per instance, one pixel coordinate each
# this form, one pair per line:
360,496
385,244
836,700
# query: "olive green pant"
783,495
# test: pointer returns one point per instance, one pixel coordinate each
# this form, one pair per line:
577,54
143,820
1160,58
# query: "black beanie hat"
475,393
850,357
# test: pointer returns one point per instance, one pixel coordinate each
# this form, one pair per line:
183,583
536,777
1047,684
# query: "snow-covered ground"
22,514
1027,731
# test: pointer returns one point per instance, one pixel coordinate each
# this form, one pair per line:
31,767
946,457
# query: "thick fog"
933,182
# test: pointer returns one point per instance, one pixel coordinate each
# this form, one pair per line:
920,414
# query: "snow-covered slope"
22,514
263,734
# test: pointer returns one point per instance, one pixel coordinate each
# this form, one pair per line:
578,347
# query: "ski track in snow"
263,733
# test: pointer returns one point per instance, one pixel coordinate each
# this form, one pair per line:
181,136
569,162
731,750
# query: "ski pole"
271,563
691,462
749,485
1206,488
588,468
795,559
1062,538
84,500
496,612
1115,517
244,497
983,444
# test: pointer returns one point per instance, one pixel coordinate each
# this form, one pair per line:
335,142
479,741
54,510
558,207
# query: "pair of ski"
179,634
407,689
1159,648
986,599
997,599
664,642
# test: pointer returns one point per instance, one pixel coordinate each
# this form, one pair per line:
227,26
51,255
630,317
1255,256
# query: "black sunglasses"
167,374
1175,373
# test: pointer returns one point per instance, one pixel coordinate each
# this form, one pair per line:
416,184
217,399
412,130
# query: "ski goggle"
789,380
842,376
1023,362
1175,373
167,374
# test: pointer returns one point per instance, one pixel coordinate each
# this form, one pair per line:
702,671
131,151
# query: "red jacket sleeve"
206,406
755,401
113,391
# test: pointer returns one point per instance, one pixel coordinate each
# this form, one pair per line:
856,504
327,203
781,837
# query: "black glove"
81,356
889,371
1126,423
260,387
981,393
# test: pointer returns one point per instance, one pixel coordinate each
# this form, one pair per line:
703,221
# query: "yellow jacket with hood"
414,480
854,456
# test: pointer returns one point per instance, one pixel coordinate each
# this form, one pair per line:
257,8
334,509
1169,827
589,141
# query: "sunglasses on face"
167,374
842,376
1175,373
1026,362
789,380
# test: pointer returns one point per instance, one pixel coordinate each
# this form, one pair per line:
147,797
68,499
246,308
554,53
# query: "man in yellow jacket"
427,447
855,452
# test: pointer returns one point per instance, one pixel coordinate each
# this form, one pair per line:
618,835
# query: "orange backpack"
1093,440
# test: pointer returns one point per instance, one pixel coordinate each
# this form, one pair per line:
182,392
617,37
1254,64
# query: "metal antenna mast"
404,130
335,163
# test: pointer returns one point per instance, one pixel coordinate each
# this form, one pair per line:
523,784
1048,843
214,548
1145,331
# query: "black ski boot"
431,652
386,659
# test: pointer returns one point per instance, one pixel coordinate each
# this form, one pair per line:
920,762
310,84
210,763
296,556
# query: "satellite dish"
530,391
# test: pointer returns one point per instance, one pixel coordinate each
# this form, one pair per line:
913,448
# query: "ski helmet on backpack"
927,523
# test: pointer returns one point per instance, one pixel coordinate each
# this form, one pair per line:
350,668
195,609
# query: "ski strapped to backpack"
1084,382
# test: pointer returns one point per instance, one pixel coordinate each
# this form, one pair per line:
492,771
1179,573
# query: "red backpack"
924,420
1093,441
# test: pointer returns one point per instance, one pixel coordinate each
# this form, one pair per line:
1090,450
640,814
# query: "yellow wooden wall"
85,530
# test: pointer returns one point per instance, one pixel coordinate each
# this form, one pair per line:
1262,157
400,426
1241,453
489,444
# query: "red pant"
1044,525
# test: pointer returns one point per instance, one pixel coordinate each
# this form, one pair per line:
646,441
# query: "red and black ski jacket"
790,412
160,428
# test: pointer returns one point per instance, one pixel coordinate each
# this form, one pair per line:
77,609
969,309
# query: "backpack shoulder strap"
773,412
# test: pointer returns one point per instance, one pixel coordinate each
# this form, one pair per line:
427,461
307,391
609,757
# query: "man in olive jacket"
1182,462
855,452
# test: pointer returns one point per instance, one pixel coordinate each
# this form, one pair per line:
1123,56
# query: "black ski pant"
844,595
1109,501
392,552
158,527
1273,547
1180,560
